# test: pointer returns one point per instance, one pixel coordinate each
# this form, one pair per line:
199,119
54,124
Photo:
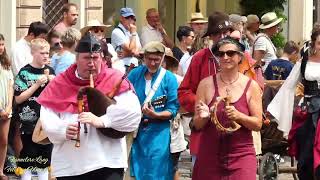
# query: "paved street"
185,168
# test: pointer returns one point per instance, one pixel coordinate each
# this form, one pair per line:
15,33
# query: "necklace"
229,83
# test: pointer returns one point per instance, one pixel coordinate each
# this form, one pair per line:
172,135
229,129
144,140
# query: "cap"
154,47
88,44
125,12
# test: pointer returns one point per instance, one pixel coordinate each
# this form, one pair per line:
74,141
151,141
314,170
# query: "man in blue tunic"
156,89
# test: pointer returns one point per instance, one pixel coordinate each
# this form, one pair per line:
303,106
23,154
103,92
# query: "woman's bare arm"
201,107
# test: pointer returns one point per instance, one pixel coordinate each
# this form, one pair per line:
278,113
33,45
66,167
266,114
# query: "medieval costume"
150,153
305,133
99,156
226,155
203,64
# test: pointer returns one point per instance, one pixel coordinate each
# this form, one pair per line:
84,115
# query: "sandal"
4,177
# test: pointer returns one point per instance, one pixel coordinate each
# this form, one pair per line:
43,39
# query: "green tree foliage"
260,7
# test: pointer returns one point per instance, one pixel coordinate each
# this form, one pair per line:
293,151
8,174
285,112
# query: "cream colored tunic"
5,77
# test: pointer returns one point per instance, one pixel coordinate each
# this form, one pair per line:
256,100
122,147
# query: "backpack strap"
121,30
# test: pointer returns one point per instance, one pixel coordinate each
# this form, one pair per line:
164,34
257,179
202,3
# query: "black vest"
311,88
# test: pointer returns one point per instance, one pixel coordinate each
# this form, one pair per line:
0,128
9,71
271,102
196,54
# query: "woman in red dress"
228,155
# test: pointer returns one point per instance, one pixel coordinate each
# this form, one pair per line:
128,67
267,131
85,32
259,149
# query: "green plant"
278,40
263,6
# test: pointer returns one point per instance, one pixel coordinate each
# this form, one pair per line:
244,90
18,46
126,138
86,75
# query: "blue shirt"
278,69
168,87
120,36
62,62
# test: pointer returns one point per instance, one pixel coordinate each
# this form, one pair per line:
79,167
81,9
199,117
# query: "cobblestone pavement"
185,168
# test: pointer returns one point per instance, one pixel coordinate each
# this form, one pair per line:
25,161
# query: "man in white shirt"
125,39
21,51
70,17
263,48
154,30
98,156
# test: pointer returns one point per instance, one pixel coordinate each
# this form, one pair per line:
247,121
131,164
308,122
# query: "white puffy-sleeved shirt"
96,150
281,107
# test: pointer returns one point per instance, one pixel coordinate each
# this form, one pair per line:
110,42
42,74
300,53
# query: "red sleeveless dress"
226,156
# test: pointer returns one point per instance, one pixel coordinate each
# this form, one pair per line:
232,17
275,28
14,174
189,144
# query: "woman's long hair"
4,58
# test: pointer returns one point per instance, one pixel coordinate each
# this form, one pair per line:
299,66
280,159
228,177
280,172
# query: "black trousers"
99,174
305,139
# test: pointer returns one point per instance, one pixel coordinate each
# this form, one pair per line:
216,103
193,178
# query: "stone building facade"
16,15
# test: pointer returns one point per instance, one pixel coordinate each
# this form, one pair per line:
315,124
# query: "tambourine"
214,119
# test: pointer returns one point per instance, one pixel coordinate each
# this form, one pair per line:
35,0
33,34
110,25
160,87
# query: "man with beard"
70,17
199,25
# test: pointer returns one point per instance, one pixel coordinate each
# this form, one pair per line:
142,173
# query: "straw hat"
93,23
171,61
197,17
269,20
39,135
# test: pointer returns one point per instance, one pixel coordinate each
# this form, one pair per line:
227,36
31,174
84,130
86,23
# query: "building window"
52,11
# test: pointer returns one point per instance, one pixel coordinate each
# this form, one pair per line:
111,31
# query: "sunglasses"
229,53
97,30
131,17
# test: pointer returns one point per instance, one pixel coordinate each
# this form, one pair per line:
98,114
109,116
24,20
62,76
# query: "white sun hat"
93,23
269,20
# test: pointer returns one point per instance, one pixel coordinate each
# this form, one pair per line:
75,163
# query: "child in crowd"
6,89
29,83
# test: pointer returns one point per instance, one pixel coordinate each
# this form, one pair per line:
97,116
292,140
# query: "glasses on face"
131,17
156,59
97,29
229,53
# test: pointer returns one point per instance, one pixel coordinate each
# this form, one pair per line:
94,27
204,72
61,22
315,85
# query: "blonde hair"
70,37
39,43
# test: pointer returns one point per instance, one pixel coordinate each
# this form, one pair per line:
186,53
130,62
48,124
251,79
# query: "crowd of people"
126,109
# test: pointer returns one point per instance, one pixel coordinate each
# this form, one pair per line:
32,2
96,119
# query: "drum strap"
155,86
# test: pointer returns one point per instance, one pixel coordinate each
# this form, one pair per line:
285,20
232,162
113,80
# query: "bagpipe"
98,102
